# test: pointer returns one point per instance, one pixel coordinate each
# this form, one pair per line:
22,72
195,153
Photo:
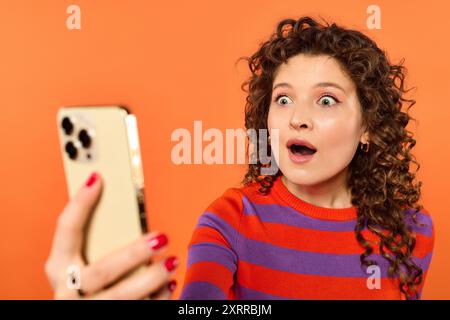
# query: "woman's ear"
364,135
365,138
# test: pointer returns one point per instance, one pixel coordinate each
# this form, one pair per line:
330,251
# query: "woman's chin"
299,177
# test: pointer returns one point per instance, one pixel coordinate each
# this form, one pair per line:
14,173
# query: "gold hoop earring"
363,148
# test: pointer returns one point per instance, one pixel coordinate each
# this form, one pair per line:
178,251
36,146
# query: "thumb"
69,232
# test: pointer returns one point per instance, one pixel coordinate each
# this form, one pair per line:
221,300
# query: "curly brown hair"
380,182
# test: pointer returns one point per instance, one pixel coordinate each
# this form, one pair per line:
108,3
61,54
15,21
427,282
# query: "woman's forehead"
305,71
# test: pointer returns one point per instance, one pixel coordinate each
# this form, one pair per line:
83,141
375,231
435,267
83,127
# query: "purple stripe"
243,293
421,219
201,290
208,251
275,213
209,219
313,263
303,262
423,263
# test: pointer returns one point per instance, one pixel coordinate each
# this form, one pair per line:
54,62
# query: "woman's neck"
332,193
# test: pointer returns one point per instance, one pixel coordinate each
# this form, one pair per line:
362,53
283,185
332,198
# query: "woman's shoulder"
230,203
420,220
235,194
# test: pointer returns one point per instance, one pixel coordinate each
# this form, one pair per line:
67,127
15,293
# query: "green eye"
282,97
327,98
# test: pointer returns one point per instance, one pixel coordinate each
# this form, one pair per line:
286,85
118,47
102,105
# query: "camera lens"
71,150
84,138
67,125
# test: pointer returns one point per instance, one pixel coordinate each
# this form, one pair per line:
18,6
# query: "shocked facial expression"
314,103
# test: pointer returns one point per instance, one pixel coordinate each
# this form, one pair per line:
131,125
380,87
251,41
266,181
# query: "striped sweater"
252,246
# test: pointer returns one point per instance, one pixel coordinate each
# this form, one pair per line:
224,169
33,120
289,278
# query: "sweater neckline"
310,209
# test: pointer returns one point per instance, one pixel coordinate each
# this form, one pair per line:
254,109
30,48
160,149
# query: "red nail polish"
172,285
91,180
158,241
171,263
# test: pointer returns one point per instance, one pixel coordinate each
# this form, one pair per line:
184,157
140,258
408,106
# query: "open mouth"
300,149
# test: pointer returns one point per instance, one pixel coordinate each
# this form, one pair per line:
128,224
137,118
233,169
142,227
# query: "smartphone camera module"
78,137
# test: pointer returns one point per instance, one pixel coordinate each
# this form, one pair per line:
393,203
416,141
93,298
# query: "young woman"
340,218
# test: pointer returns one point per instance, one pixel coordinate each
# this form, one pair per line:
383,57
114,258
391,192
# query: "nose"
299,119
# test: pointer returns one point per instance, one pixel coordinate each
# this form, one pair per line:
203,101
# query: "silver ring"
74,281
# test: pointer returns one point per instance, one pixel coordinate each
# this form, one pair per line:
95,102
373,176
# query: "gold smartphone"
105,139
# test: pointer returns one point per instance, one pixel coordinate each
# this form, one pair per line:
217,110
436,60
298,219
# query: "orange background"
173,63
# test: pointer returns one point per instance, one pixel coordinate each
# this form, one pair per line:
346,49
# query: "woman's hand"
94,280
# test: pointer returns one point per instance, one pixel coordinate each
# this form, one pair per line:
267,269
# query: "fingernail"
91,180
158,242
171,263
172,285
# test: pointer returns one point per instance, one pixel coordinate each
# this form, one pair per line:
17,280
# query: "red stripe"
229,207
208,234
300,286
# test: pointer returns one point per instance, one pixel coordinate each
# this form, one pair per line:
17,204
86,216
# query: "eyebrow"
320,84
